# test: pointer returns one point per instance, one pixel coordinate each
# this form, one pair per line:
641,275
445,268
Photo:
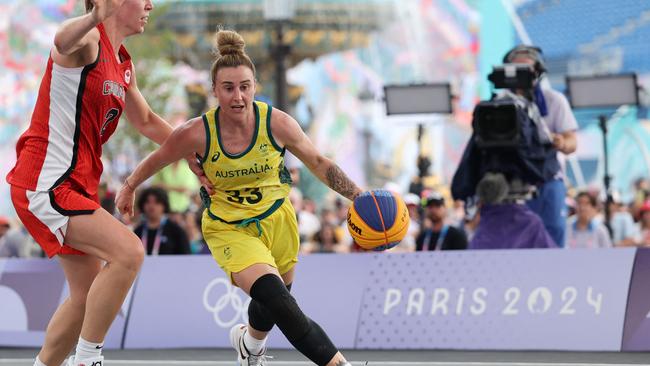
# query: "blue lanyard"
441,238
156,241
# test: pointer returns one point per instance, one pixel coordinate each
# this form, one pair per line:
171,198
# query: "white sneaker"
244,357
95,361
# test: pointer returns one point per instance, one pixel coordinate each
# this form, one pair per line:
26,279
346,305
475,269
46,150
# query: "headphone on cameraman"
533,52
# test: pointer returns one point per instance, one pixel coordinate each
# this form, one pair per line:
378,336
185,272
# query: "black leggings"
275,302
259,317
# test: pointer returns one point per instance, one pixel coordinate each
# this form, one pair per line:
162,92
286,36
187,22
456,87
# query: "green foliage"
150,52
156,42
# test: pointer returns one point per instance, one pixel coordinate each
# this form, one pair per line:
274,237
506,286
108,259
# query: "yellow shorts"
237,248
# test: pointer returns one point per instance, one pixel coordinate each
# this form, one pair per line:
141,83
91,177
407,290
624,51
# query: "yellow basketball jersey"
249,185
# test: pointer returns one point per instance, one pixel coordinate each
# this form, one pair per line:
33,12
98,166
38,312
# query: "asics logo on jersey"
112,88
215,157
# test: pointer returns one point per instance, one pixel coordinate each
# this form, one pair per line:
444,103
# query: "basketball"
378,220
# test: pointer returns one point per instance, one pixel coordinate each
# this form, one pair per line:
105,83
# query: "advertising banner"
188,301
500,300
30,292
636,336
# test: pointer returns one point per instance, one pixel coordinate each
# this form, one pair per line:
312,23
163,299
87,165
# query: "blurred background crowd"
170,212
335,58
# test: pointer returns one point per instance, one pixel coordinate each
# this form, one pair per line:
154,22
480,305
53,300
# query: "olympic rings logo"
229,299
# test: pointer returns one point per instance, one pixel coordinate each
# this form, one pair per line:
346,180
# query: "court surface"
200,357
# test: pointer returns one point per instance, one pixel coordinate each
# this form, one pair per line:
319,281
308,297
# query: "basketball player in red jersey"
89,81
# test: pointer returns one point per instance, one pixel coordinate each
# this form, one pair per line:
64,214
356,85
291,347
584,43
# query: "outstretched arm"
73,35
335,178
287,132
140,115
185,140
75,42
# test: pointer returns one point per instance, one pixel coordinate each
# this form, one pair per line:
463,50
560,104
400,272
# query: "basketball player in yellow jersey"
250,225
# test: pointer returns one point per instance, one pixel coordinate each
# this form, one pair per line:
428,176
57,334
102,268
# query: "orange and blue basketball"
378,220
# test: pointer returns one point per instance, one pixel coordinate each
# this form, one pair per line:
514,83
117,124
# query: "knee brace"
303,333
259,317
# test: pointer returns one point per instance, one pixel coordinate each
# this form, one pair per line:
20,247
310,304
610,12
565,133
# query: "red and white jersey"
77,110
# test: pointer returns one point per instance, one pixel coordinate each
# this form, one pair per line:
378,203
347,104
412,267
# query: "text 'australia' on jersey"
246,184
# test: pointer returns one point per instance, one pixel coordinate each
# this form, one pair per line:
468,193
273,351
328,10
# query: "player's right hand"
124,201
103,9
195,167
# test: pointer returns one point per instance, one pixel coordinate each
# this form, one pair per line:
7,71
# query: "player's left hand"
195,167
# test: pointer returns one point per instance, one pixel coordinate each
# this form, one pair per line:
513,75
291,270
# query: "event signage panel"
30,292
187,301
501,299
527,299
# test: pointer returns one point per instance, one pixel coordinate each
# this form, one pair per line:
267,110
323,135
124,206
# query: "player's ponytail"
230,52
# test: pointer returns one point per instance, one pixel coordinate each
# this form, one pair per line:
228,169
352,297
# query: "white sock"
254,345
86,350
38,362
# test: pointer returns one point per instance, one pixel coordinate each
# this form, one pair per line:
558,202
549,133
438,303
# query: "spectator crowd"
171,223
169,210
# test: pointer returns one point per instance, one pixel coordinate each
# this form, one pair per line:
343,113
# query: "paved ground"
190,357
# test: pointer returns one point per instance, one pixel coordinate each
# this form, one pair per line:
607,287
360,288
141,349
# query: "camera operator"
557,115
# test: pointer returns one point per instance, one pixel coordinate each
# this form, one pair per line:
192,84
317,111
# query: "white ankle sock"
254,345
86,350
38,362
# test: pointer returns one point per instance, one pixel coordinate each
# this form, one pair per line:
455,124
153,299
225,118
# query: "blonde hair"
229,52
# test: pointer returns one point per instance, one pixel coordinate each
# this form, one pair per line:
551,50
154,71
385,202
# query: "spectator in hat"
438,235
413,204
584,230
624,231
644,223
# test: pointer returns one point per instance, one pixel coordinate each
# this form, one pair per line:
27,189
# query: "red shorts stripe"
46,215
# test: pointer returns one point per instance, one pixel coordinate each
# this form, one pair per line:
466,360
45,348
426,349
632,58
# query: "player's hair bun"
230,43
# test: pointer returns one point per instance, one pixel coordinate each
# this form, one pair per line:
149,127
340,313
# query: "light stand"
418,99
604,91
280,12
607,179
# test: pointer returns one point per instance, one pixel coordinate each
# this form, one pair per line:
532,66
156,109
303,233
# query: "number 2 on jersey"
251,195
108,118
